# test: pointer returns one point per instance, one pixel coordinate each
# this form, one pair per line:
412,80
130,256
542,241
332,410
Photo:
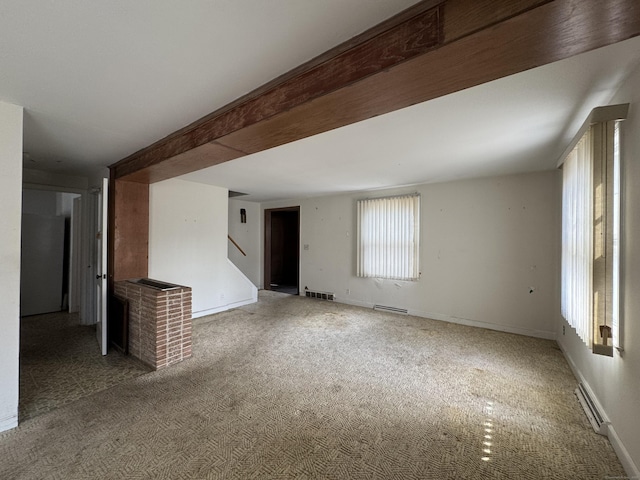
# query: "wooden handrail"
237,246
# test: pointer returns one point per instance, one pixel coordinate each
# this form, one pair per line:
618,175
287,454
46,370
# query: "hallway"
60,362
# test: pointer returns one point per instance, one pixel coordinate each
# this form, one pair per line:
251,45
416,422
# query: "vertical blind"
577,239
388,237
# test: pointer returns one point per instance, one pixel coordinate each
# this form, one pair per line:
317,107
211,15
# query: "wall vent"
591,410
385,308
320,295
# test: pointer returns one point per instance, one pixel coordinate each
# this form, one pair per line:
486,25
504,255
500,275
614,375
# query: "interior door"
101,263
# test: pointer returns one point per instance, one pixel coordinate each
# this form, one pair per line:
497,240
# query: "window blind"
577,239
388,237
591,223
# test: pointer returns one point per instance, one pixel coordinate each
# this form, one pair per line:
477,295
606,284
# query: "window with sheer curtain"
388,237
590,232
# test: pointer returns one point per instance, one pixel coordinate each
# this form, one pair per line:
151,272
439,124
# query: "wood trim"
391,23
129,240
465,18
432,49
429,51
350,62
236,245
267,250
267,243
210,154
507,48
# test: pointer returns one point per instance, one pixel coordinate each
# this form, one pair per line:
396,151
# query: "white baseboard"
224,308
548,335
355,303
630,468
529,332
632,471
9,422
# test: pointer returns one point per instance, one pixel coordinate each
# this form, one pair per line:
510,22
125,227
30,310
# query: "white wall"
39,202
484,244
64,203
188,227
47,184
37,180
616,381
247,235
68,183
10,212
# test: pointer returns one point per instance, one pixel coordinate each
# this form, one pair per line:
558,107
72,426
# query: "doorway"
282,250
60,360
50,253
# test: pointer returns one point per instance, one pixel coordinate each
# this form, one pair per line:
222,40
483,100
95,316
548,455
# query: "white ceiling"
521,123
100,80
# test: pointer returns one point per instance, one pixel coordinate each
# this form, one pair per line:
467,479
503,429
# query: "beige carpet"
299,388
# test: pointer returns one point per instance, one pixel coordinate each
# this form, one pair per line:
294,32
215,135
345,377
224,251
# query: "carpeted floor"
299,388
60,362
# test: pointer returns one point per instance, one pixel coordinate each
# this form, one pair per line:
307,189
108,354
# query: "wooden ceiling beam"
430,50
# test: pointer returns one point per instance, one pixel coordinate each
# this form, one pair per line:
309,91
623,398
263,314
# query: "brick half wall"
159,323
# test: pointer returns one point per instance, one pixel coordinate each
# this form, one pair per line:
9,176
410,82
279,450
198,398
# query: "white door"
101,264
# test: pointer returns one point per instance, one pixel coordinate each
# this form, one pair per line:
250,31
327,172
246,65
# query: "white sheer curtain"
577,239
388,237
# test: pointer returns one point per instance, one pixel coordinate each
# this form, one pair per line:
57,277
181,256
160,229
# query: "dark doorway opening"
282,250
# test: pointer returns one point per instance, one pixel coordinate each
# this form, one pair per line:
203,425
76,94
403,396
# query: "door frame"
267,243
80,249
102,225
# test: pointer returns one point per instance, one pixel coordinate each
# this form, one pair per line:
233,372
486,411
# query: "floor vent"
591,410
320,295
384,308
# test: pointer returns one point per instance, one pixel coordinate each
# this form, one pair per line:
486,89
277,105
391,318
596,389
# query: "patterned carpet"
300,388
60,362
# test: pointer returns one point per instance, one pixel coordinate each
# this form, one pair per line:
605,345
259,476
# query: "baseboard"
462,321
9,422
630,468
355,303
632,471
583,381
224,308
529,332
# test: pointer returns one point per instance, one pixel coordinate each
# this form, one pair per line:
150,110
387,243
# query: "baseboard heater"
385,308
320,295
591,410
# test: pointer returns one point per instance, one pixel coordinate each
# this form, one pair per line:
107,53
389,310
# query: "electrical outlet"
348,291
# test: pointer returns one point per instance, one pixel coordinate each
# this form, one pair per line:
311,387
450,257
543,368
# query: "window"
388,237
590,231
